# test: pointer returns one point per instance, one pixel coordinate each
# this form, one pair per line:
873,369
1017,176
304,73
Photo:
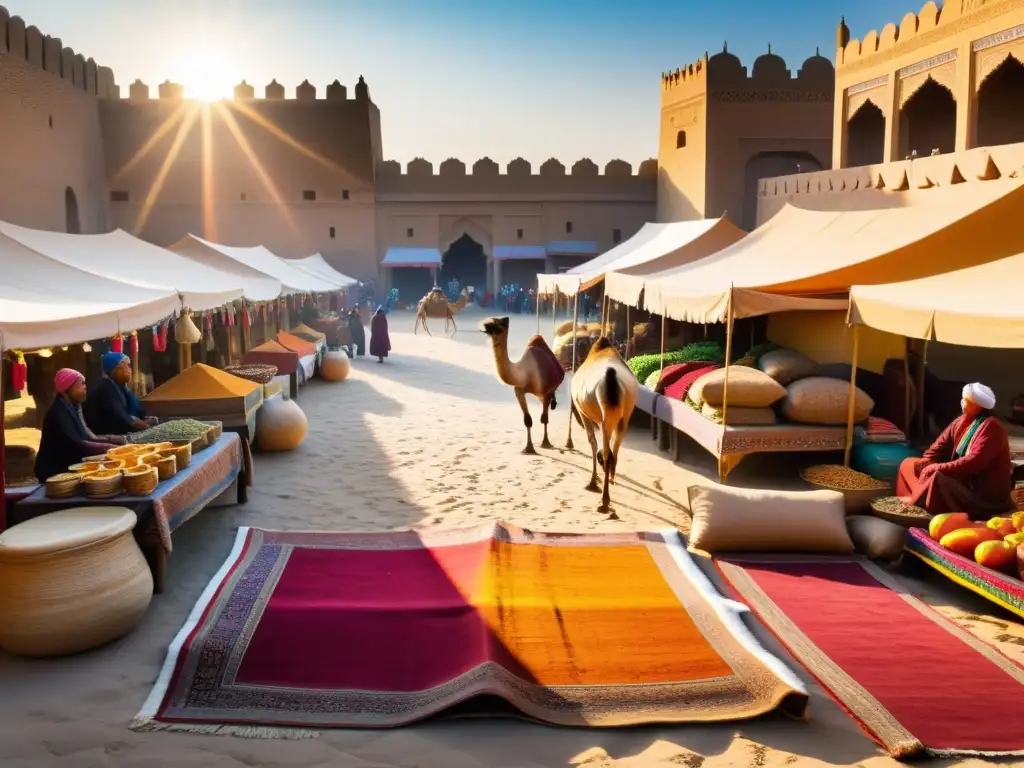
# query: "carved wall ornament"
989,61
783,95
858,101
923,66
944,76
868,85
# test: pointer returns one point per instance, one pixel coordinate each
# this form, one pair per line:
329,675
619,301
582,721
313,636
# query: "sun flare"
207,74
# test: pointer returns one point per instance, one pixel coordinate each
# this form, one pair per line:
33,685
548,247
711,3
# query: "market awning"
317,266
801,252
520,253
412,257
571,248
979,306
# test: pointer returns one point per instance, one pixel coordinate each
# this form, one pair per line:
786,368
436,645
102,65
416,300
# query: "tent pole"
906,388
728,359
920,390
851,399
3,448
628,332
575,322
538,312
554,307
661,362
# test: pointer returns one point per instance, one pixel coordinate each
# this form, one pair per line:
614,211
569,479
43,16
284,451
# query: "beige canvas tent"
804,253
654,248
979,306
317,266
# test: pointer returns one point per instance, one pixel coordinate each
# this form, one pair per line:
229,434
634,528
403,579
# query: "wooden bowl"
63,486
141,480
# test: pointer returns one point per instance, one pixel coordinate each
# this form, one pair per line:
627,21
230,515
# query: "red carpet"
311,630
914,680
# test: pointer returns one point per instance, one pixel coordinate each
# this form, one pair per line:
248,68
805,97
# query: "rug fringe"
973,753
145,724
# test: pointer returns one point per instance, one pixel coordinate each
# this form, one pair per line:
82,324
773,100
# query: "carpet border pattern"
857,701
186,697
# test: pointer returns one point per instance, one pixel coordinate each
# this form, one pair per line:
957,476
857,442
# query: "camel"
435,304
537,373
604,392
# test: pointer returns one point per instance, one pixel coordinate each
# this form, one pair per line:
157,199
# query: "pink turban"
66,378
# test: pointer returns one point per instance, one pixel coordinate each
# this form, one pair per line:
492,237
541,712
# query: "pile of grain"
201,382
841,478
178,429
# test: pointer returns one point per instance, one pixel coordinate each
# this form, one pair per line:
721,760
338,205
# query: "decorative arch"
928,120
768,164
865,135
72,218
466,225
1000,111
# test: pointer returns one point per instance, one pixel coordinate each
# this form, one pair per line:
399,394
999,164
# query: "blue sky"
462,78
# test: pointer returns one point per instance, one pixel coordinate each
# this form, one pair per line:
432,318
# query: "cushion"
747,387
740,416
787,366
675,372
878,539
820,400
677,389
748,520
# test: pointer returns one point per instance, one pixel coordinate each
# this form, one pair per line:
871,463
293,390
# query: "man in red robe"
968,468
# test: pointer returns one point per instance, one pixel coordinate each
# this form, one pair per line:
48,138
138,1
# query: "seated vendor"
65,438
968,468
112,408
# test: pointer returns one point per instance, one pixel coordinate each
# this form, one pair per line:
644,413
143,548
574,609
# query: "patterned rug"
916,682
316,630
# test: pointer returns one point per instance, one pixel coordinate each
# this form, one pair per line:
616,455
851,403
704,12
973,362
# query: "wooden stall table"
174,502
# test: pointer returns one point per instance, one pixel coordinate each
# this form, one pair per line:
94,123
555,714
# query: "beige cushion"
745,520
820,400
740,415
748,387
787,365
878,539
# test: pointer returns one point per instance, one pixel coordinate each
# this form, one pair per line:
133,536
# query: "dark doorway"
765,165
865,136
413,283
1000,106
465,262
72,221
928,121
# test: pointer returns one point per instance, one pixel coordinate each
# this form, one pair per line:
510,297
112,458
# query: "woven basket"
257,372
87,467
103,485
141,481
122,451
855,501
95,459
910,517
216,430
199,444
182,453
63,486
166,466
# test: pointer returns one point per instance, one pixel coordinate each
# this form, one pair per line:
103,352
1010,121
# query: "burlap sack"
822,401
748,387
787,366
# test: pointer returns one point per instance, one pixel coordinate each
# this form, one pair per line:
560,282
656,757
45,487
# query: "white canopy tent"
656,247
45,302
124,258
318,267
250,261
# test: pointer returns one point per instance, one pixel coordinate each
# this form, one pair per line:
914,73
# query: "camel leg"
545,443
588,425
527,421
573,414
455,328
620,434
608,460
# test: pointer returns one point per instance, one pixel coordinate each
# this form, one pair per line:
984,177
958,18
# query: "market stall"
215,470
285,360
307,351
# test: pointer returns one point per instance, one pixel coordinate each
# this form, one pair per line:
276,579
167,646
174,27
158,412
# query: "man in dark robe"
380,342
968,468
112,408
357,332
65,439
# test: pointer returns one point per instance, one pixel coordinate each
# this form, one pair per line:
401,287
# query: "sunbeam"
284,137
172,154
209,221
152,141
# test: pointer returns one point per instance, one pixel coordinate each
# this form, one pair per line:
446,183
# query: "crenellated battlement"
28,44
244,91
916,30
518,168
723,77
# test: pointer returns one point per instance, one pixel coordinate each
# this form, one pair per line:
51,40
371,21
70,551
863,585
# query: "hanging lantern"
19,372
87,347
117,343
163,336
246,319
133,345
185,332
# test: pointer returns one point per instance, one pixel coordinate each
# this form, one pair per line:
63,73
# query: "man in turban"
968,468
66,439
112,407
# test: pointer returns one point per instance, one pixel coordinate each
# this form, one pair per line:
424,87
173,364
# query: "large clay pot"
280,425
72,580
335,366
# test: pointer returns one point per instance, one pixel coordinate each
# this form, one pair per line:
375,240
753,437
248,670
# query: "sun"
207,74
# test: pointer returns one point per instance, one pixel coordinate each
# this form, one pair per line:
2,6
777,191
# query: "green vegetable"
652,381
758,350
178,429
644,365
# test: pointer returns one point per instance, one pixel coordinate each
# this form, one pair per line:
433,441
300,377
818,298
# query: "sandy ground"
429,439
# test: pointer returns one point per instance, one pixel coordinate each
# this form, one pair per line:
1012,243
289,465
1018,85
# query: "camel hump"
539,342
602,344
553,369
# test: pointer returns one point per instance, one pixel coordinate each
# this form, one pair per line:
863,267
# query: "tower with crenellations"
723,128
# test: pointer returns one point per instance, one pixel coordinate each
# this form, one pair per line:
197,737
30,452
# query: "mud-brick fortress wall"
293,174
52,173
723,129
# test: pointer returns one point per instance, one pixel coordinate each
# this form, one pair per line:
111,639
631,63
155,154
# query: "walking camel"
435,304
536,373
604,392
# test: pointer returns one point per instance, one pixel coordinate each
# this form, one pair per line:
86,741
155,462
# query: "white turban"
980,395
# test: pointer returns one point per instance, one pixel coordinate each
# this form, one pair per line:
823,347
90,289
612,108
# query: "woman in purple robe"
380,342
